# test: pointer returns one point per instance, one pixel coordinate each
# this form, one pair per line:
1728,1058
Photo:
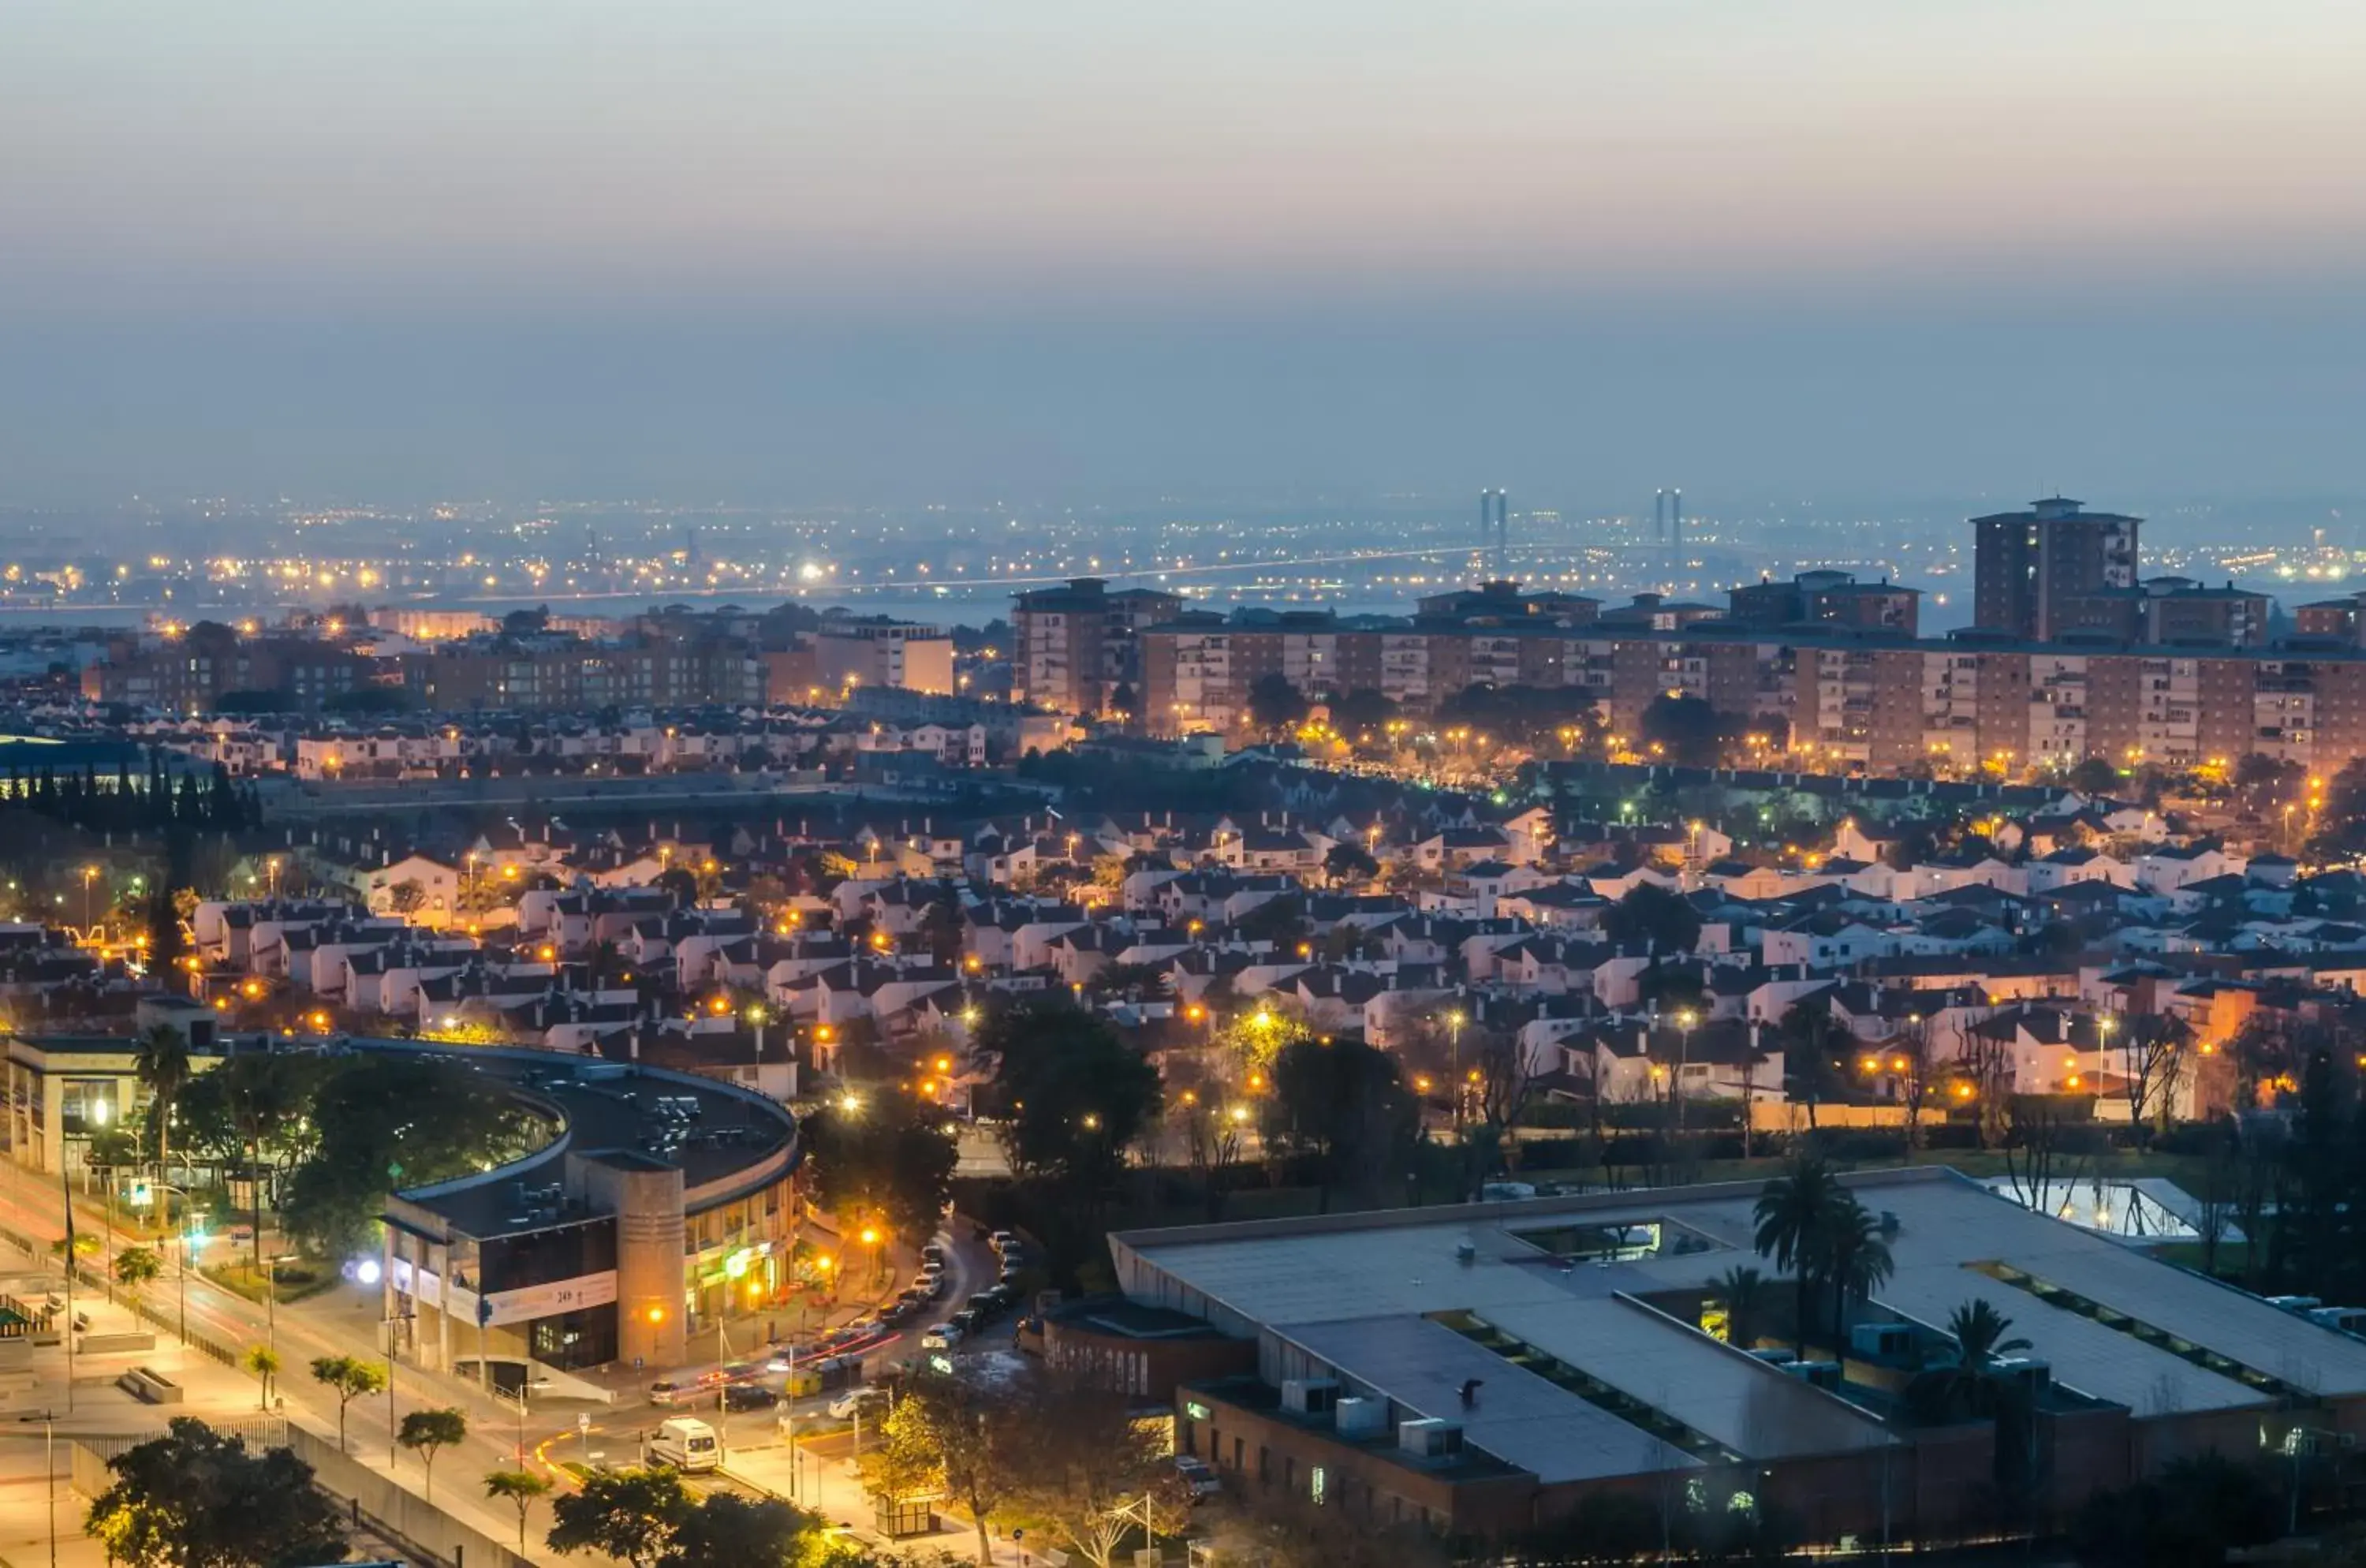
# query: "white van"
686,1445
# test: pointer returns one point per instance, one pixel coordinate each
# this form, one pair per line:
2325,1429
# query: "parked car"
1199,1479
665,1390
966,1320
747,1396
934,1252
1003,1241
943,1337
844,1406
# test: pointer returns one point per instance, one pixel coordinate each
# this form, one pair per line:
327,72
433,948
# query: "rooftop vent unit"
1360,1417
2341,1320
1774,1355
1430,1439
2295,1304
1881,1339
1465,1253
2029,1376
1819,1374
1309,1396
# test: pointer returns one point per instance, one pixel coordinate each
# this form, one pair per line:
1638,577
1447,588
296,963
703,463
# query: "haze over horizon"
919,252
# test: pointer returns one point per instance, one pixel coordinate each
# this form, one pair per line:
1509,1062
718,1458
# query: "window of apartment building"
1318,1484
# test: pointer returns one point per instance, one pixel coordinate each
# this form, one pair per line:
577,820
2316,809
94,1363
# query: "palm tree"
162,1062
1793,1217
1812,1040
1857,1260
1978,1331
1743,1290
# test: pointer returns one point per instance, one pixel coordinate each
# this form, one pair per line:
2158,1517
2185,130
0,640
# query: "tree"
195,1498
425,1431
368,701
1654,916
264,1362
890,1158
1213,1132
1857,1260
164,927
1496,1087
1075,1092
1346,1105
725,1531
2154,1061
372,1116
349,1378
2196,1511
136,1269
1815,1044
1980,1332
1794,1216
1743,1290
1275,704
626,1514
162,1062
2094,776
519,1488
1096,1478
1685,730
1362,714
1348,860
967,1436
406,898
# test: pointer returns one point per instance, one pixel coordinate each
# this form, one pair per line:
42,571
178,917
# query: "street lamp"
1686,1018
192,1242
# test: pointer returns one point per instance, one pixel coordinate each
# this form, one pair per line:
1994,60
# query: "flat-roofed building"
1485,1367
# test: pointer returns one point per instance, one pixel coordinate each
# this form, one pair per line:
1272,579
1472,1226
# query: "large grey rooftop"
1342,1285
1517,1416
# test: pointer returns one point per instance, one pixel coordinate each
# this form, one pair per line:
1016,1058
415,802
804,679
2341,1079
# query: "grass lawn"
243,1279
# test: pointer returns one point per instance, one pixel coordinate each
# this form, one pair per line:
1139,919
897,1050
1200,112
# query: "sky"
913,250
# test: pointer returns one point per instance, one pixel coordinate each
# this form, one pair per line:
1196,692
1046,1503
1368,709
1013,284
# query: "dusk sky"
908,250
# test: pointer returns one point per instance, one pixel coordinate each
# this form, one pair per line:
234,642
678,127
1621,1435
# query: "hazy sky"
900,249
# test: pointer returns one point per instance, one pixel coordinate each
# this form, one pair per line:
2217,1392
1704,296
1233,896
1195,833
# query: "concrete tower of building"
2032,570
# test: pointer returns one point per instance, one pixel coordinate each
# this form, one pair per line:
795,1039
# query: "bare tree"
1499,1080
1095,1476
2029,1158
2154,1052
1214,1133
1988,1062
1907,1056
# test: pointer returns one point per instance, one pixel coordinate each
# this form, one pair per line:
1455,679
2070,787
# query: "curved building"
661,1200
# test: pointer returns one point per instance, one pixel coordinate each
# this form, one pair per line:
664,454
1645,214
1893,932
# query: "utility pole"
48,1471
66,1191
